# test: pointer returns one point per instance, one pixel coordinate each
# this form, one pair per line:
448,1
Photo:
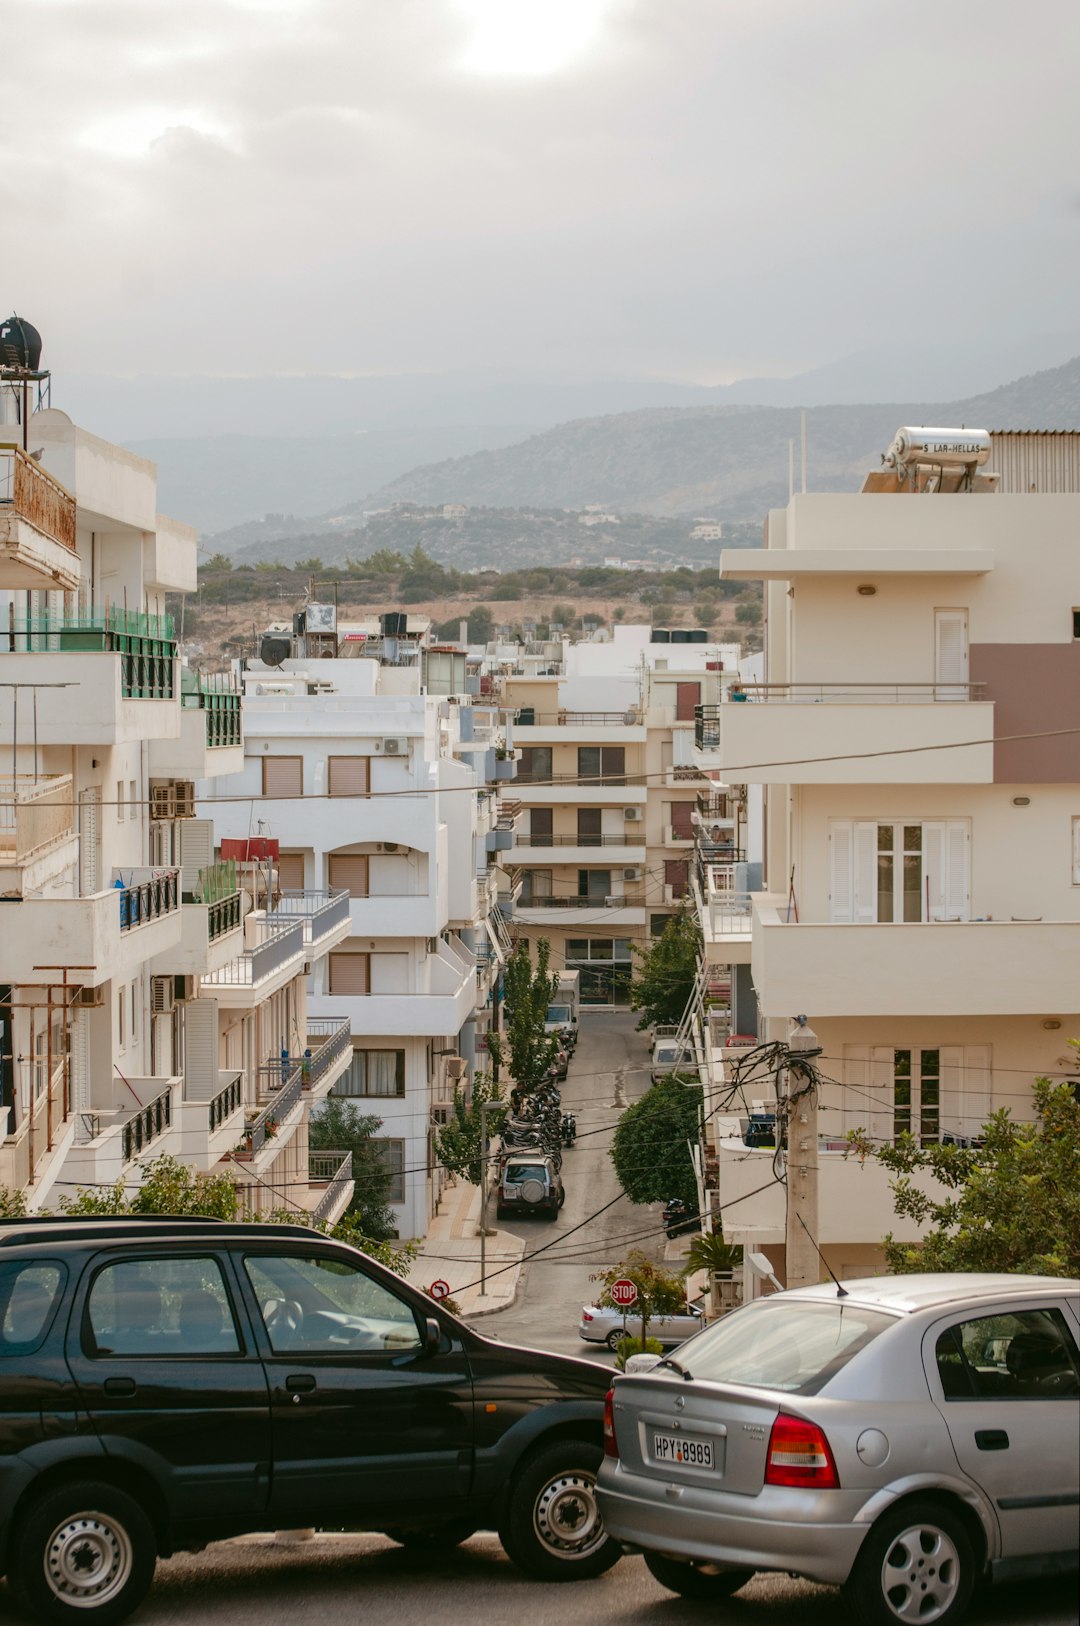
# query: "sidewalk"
451,1253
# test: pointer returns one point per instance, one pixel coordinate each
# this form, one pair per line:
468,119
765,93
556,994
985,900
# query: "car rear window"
516,1172
796,1347
28,1296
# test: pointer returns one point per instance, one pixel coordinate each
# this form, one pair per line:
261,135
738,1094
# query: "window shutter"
80,1061
951,654
865,869
687,696
957,871
880,1108
290,868
349,974
350,870
965,1089
868,1077
196,851
283,776
348,776
200,1049
681,820
934,868
841,885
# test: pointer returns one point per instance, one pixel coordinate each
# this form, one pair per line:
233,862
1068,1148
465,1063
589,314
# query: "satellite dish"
20,345
272,651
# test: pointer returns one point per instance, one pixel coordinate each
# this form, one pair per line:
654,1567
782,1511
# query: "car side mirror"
432,1336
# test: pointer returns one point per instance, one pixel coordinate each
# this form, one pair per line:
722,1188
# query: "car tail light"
799,1454
611,1444
585,1316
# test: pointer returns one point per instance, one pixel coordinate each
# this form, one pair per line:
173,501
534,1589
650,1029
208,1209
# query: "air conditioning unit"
91,998
394,746
633,815
633,874
389,846
161,995
173,800
185,798
162,802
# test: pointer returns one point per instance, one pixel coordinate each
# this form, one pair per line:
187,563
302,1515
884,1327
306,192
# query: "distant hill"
727,460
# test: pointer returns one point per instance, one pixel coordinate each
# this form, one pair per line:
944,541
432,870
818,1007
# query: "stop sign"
624,1292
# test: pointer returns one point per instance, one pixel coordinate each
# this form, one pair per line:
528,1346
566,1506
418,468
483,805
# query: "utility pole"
799,1106
485,1107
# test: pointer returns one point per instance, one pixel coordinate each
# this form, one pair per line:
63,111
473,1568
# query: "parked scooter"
678,1219
569,1128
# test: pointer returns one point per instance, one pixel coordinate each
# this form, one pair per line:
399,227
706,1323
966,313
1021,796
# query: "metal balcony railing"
277,1109
146,644
629,901
150,898
30,492
318,912
329,1038
632,836
335,1168
529,717
223,916
147,1126
280,944
226,1101
34,813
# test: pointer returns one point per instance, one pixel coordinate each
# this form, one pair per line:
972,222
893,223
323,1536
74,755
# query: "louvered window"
283,776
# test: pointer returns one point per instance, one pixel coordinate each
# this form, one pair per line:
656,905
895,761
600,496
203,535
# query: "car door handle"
119,1386
297,1381
991,1439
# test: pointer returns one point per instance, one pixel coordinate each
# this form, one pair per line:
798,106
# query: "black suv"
164,1383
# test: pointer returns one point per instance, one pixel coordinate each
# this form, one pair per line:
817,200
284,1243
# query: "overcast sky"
698,189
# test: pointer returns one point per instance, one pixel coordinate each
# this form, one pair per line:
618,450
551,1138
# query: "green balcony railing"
146,644
217,695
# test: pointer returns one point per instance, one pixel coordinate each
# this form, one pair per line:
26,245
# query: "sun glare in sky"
530,37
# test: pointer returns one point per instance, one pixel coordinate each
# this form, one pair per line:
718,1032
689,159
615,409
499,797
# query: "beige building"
916,741
610,792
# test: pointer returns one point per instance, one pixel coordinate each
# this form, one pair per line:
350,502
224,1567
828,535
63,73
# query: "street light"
485,1108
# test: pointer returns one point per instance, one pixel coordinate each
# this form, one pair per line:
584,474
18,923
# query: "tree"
458,1144
660,1292
219,561
667,972
525,1048
168,1187
12,1203
481,621
650,1149
1012,1203
339,1127
564,614
748,613
383,562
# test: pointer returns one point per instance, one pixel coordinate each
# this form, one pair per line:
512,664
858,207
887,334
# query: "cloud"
601,187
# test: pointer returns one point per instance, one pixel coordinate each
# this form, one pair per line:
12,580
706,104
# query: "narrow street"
608,1071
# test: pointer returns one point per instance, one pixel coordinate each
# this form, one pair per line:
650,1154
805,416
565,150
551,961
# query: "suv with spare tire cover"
169,1382
529,1182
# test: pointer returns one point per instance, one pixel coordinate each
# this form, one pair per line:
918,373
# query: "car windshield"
796,1347
526,1171
558,1013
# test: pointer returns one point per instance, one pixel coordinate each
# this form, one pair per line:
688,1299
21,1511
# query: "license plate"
680,1449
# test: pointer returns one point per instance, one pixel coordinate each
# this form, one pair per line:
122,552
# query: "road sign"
624,1292
439,1290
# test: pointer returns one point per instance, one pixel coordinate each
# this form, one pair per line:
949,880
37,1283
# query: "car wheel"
916,1564
84,1550
562,1195
433,1538
692,1580
614,1339
551,1526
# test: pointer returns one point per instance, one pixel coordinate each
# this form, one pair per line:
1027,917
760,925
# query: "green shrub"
635,1346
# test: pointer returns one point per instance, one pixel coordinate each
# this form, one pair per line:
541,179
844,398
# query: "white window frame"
869,1076
853,869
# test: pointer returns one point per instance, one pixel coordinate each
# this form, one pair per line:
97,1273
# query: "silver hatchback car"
900,1438
603,1326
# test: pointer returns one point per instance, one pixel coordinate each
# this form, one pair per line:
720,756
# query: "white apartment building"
610,790
914,741
138,1002
378,786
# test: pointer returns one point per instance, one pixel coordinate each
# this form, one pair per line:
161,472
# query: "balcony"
110,1141
622,790
444,1000
325,917
329,1038
330,1186
604,913
934,968
532,727
274,955
211,740
725,913
37,526
209,936
850,733
111,933
38,841
145,644
625,847
34,1129
282,1109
